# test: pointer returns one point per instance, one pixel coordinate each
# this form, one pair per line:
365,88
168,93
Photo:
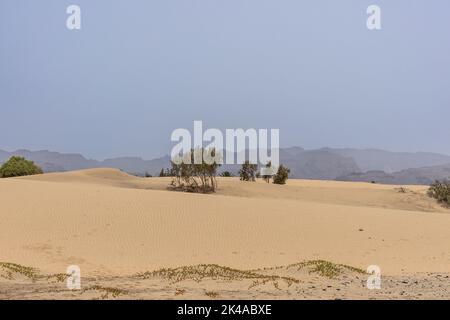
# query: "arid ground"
133,238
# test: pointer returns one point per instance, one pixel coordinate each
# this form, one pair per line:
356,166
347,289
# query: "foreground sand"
114,226
307,280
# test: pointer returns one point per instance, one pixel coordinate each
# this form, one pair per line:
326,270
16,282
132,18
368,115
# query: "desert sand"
120,228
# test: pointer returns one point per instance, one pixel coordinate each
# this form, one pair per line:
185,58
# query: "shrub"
248,171
226,174
282,175
18,166
440,190
191,177
266,177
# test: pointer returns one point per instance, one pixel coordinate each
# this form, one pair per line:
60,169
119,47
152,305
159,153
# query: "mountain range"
346,164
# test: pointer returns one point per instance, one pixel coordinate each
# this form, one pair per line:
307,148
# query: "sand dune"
113,224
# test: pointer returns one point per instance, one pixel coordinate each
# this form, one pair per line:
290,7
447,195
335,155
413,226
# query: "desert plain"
134,239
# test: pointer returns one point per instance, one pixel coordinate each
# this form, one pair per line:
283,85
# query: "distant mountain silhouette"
425,175
326,163
317,164
55,162
375,159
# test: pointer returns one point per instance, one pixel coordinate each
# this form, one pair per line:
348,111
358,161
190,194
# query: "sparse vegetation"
58,277
402,190
267,177
325,268
18,166
179,292
226,174
106,291
215,272
8,270
440,190
282,175
211,294
248,171
192,177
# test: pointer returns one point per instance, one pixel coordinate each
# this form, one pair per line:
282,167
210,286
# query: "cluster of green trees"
249,172
18,166
192,177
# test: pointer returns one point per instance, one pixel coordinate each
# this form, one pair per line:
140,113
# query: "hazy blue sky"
139,69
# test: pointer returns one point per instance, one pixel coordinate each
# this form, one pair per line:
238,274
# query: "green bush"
248,171
18,166
226,174
267,177
282,175
440,190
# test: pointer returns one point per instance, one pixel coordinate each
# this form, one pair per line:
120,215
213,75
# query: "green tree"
226,174
18,166
267,177
248,171
161,173
282,175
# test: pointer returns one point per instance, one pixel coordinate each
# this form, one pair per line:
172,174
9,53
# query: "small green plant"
18,166
215,272
248,171
211,294
11,269
402,190
179,292
106,291
226,174
440,190
325,268
282,175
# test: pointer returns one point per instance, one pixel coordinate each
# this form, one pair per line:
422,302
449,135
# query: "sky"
139,69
